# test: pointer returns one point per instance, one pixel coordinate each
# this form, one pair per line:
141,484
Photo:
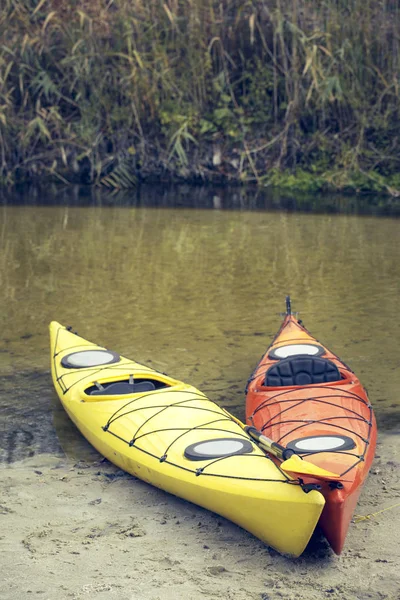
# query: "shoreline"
232,196
308,180
87,529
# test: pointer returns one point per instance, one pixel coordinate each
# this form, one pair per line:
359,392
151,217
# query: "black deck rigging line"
360,457
341,394
313,452
273,400
215,460
202,427
180,404
84,347
54,359
187,430
164,408
271,423
195,396
294,404
161,406
280,413
322,421
288,481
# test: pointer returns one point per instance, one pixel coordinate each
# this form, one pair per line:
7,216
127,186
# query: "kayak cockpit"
302,370
123,387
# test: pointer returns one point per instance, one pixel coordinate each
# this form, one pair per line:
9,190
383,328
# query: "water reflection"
197,293
186,196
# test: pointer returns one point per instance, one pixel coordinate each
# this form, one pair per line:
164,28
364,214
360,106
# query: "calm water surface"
193,292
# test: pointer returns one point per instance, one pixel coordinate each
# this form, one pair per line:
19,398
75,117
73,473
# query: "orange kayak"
304,398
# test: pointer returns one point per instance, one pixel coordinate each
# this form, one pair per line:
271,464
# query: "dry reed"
101,91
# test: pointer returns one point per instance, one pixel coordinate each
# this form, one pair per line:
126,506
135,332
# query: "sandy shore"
88,530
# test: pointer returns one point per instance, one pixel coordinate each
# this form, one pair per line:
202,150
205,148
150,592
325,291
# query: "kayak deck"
171,435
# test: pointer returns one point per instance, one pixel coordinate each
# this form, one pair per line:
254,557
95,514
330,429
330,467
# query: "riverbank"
88,530
292,95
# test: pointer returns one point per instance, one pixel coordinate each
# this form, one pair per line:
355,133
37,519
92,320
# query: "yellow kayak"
172,436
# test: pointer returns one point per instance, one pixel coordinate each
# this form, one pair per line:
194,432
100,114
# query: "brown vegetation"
197,89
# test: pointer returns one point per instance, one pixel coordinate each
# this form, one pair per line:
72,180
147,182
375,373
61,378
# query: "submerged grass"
245,90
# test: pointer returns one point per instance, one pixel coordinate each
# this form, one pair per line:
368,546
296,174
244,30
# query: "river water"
191,281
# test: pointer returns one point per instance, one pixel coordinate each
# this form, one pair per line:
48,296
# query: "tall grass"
102,91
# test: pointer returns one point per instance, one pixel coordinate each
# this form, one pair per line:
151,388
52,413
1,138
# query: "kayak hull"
155,434
331,412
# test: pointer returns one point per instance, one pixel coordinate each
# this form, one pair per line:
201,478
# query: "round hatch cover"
294,349
322,443
218,448
89,358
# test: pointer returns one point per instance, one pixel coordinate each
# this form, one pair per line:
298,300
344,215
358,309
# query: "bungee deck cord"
302,423
90,372
203,427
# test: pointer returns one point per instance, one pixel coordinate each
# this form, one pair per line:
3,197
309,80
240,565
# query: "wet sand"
88,530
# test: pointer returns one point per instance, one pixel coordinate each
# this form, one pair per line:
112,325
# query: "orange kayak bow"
305,399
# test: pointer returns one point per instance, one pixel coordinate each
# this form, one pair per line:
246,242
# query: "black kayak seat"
301,369
123,387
